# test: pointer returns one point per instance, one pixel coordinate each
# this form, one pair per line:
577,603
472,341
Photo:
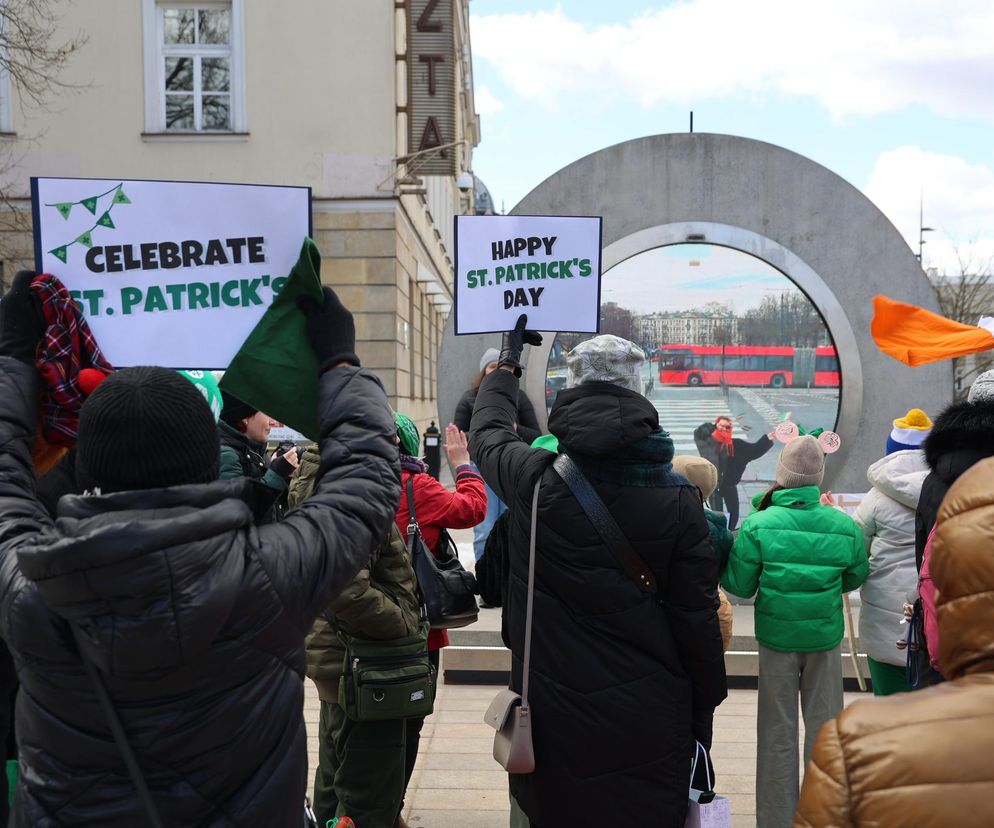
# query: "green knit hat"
410,439
208,388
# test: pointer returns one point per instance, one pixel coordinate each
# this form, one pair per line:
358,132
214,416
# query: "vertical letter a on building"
432,137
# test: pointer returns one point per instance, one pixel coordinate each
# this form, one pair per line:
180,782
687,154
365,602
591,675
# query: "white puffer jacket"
887,517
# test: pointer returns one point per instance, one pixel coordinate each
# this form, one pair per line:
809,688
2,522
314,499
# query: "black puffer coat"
194,616
962,434
620,680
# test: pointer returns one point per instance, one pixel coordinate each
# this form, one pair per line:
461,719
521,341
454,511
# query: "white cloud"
854,57
486,102
958,202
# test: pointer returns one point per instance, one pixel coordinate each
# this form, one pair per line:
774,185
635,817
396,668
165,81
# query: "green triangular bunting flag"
65,208
85,239
276,370
120,197
90,204
60,253
105,220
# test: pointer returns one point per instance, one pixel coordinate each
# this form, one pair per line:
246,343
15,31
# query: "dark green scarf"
646,464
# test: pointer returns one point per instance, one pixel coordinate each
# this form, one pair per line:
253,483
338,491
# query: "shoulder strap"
605,524
531,598
117,729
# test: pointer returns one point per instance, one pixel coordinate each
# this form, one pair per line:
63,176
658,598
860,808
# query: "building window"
194,66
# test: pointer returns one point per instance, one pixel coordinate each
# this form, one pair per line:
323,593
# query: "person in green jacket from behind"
798,556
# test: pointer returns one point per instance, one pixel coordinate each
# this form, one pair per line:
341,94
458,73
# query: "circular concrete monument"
809,224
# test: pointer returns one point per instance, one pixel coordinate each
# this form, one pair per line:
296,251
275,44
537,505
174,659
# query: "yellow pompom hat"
909,431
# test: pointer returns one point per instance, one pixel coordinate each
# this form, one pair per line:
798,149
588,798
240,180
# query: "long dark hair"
768,497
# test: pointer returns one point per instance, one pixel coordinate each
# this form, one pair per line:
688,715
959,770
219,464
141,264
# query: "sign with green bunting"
172,273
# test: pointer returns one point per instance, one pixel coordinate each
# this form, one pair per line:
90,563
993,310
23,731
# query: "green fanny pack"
387,679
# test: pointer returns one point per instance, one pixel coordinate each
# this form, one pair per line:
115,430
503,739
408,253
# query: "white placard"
171,273
548,267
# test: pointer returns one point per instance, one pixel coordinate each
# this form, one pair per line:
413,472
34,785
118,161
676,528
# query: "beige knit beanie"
698,471
801,463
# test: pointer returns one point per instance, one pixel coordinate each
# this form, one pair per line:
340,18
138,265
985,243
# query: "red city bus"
762,365
826,367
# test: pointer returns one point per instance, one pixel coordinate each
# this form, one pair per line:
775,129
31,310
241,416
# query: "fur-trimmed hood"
963,434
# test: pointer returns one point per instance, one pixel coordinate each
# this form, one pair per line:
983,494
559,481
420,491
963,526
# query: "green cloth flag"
120,197
105,220
64,208
60,253
90,204
276,370
85,239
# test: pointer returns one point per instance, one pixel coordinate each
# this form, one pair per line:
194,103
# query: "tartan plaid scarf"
646,464
67,347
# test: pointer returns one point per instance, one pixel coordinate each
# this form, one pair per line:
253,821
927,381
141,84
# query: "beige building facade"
368,103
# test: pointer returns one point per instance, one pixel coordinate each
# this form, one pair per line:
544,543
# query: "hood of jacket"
900,476
147,577
962,434
599,419
962,567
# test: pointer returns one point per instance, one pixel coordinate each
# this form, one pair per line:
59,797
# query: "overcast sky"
896,97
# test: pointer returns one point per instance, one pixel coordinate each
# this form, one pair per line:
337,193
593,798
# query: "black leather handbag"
447,589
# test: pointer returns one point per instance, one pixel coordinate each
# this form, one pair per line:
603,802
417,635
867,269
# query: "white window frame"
155,52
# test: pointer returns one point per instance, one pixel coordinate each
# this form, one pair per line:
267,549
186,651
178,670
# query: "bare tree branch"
965,296
33,52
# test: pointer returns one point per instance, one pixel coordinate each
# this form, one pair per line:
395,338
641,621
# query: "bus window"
826,363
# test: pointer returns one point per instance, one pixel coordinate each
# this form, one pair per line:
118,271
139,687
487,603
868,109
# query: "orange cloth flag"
916,336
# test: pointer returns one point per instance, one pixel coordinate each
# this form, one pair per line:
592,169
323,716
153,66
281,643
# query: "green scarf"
646,464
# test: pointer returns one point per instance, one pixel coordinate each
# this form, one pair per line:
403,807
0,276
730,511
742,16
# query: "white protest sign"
171,273
546,266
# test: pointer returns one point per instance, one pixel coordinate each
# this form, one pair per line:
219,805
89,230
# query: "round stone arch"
798,216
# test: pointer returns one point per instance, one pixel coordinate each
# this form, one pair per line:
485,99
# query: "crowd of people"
167,582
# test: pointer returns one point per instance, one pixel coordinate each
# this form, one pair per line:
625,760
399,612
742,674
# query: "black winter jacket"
194,616
961,435
617,676
730,467
528,427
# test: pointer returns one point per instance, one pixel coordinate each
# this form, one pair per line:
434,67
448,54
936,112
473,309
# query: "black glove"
514,343
22,324
330,329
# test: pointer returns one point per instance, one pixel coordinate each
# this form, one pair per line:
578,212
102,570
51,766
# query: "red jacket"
438,508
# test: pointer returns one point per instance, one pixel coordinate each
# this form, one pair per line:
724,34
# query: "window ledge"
8,136
185,137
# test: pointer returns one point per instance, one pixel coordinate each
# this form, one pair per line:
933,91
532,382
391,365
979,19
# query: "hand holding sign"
330,329
22,324
514,343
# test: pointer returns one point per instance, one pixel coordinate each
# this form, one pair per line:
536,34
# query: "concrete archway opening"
792,217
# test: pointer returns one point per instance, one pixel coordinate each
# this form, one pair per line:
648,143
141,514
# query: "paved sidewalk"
457,784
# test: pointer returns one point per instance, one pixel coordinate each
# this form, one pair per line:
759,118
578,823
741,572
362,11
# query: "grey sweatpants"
818,677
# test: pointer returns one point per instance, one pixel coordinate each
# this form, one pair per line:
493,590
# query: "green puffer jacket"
380,603
801,556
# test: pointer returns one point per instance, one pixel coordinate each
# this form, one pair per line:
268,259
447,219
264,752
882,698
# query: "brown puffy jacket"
926,758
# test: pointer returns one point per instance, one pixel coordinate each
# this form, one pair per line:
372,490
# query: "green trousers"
888,678
360,770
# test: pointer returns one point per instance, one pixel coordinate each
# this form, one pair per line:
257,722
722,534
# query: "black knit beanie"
146,428
233,410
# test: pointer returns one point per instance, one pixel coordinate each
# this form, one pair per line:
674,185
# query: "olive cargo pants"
360,770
